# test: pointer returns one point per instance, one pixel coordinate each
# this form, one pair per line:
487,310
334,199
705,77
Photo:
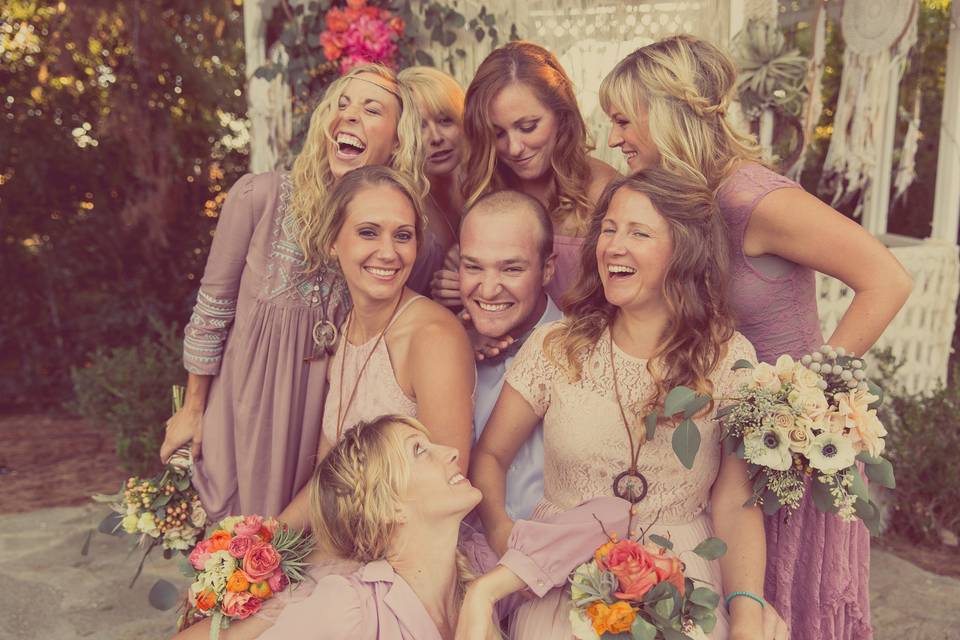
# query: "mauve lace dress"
818,566
252,330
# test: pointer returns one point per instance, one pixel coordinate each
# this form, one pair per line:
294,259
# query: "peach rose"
237,582
800,435
240,605
260,562
782,418
669,569
249,526
219,541
241,544
634,569
809,401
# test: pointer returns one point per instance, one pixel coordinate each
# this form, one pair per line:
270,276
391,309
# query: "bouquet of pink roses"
244,561
360,33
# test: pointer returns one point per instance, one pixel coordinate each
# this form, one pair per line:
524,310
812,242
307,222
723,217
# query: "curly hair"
686,85
531,65
694,287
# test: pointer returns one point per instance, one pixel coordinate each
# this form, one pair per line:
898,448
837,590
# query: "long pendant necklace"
324,332
629,485
341,409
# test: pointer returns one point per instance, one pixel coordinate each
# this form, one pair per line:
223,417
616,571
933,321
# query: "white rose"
765,377
784,368
809,401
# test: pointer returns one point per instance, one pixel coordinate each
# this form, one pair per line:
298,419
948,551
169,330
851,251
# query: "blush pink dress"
818,567
586,446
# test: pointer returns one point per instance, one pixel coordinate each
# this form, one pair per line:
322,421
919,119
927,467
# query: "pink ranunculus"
634,568
249,526
278,581
240,605
239,545
200,554
260,561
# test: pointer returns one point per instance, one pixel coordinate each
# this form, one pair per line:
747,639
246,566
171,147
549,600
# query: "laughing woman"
257,345
668,102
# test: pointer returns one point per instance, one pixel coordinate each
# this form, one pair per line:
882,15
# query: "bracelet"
745,594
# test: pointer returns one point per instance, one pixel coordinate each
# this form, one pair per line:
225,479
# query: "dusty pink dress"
586,446
567,250
818,566
251,329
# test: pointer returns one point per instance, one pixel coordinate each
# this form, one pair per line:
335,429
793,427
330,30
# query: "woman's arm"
296,515
440,368
509,426
795,225
741,528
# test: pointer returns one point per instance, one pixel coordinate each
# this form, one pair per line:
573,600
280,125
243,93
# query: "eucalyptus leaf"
705,597
760,481
650,422
448,38
707,622
742,364
642,630
771,503
664,608
660,540
859,487
110,525
686,442
479,33
694,406
882,473
677,400
877,391
726,410
711,548
424,58
867,511
163,595
673,634
822,499
85,549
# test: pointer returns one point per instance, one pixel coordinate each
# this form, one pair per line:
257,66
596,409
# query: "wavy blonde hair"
436,92
694,287
334,208
312,177
686,85
531,65
356,489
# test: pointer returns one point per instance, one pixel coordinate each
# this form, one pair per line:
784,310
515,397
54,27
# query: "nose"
615,246
516,146
350,113
613,138
433,137
489,287
387,248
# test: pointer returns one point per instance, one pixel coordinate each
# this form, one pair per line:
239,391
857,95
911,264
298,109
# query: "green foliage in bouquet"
126,391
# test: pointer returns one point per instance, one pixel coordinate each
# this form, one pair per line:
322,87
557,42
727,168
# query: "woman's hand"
183,427
476,621
483,346
445,288
771,627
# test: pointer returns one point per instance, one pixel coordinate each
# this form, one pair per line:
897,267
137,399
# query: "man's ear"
549,269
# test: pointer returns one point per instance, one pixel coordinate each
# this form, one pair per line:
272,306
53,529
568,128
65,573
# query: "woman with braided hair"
668,106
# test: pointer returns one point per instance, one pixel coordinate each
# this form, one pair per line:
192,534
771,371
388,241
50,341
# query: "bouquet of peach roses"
639,589
244,561
810,419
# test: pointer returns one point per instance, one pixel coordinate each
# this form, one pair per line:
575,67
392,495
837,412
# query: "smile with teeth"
382,272
457,478
494,307
620,270
349,144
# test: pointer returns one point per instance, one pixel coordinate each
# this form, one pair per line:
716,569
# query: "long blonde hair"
531,65
355,492
436,92
694,287
334,208
312,177
687,85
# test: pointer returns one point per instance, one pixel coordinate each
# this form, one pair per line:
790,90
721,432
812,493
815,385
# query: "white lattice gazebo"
589,37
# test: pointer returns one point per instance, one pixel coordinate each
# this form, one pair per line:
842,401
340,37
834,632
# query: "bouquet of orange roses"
244,561
639,589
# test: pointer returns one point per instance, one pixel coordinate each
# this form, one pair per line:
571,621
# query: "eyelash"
418,449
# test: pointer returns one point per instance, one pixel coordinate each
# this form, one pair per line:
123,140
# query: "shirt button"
316,287
539,583
315,299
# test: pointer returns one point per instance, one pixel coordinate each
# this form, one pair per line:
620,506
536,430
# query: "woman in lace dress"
525,132
668,102
647,314
254,347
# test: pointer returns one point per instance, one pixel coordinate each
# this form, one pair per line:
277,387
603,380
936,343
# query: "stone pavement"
51,592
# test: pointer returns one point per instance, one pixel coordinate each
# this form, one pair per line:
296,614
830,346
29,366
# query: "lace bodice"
585,444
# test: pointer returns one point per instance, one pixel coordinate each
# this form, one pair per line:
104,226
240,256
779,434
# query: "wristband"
745,594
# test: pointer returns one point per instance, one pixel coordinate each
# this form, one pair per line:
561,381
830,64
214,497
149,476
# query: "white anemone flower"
768,448
831,452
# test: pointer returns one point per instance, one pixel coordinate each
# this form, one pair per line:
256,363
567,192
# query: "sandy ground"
60,594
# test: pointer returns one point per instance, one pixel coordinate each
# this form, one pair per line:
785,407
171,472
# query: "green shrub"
126,391
923,442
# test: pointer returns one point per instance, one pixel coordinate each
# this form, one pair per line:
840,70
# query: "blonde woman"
525,132
440,101
257,345
668,105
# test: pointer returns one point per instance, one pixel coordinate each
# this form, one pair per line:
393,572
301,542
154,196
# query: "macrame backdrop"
878,35
907,167
814,106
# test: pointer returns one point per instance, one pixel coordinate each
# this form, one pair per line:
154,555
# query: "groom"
506,260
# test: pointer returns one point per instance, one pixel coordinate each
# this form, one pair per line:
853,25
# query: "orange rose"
669,569
206,600
261,590
601,554
598,616
265,534
237,582
620,617
220,541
